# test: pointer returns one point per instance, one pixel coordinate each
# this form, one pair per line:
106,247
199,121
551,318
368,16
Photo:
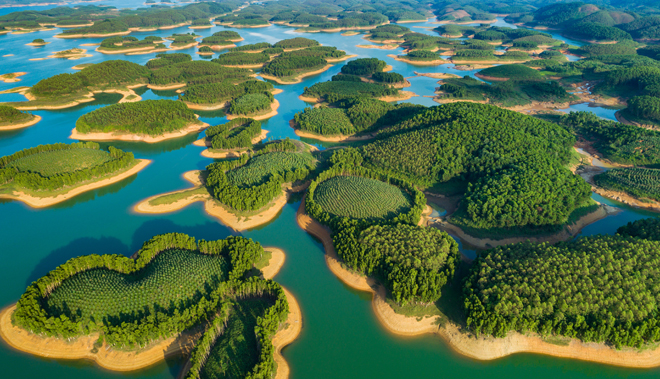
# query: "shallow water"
341,337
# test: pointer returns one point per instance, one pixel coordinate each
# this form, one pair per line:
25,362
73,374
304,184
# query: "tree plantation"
135,301
53,167
601,289
150,117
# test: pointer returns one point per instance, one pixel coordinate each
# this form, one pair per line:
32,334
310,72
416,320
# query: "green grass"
176,196
557,340
50,163
258,169
357,197
264,260
173,276
236,351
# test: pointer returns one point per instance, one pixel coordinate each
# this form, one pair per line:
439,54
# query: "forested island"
220,289
232,139
11,118
248,191
148,121
49,174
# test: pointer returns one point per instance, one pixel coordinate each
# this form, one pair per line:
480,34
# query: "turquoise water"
341,337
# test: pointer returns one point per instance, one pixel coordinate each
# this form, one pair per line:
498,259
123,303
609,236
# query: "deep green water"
341,337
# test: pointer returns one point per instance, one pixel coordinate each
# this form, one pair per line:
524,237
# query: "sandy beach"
193,128
481,348
338,138
417,63
41,202
298,78
273,106
33,121
215,208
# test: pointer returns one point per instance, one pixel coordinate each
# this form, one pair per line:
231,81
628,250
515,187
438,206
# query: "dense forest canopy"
150,117
601,288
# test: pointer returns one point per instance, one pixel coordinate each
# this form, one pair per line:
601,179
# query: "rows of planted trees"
252,181
53,167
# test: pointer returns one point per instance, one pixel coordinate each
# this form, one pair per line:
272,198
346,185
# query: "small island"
128,44
11,118
38,42
231,139
68,90
148,121
12,77
50,174
420,58
246,192
213,274
355,119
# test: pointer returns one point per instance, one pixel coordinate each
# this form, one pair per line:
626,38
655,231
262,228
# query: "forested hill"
516,175
597,289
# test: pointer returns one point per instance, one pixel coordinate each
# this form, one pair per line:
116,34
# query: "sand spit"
338,138
379,47
33,121
127,96
167,87
482,348
231,153
193,128
436,75
41,202
36,44
215,208
340,59
284,337
11,77
298,78
401,58
273,106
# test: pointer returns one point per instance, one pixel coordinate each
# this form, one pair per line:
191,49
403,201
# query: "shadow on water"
153,148
99,99
93,194
209,231
76,248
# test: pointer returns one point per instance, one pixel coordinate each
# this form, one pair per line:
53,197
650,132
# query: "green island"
141,303
237,135
11,118
513,86
364,77
374,222
350,117
128,44
248,191
149,121
49,174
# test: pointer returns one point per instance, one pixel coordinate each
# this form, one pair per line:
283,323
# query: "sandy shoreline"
215,208
34,120
11,77
124,361
417,63
230,153
41,202
481,348
298,78
379,47
193,128
490,78
339,138
273,106
436,75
